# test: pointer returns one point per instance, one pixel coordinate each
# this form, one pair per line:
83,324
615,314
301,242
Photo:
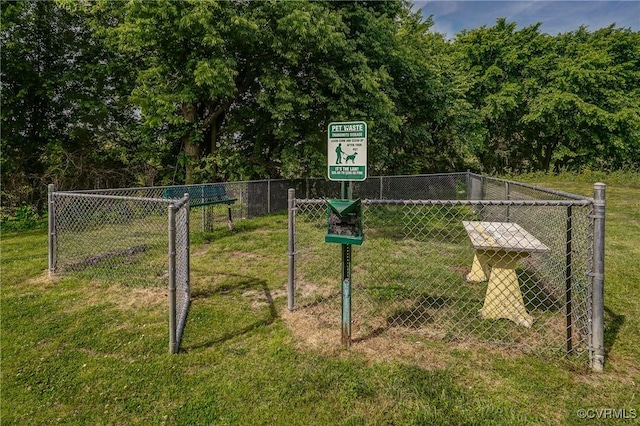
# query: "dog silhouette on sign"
351,158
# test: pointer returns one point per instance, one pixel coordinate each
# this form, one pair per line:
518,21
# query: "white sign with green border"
347,151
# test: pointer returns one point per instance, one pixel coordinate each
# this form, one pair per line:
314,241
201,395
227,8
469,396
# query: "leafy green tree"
249,88
269,73
438,125
58,105
569,101
497,60
587,114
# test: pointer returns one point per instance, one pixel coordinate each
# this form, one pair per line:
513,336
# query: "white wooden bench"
498,248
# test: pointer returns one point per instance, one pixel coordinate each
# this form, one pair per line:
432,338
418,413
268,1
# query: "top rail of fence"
80,194
511,195
534,187
546,203
159,187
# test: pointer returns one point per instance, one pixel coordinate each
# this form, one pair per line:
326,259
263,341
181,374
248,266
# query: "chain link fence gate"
140,237
421,270
123,239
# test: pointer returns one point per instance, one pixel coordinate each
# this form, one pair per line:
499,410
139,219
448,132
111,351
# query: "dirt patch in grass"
125,297
260,299
42,280
100,293
316,326
321,334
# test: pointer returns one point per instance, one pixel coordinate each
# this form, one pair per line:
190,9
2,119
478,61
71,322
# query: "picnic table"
498,248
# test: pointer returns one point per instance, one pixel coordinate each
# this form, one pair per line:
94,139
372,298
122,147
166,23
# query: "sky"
556,16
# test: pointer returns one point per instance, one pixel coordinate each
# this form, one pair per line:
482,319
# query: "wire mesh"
182,271
113,239
122,237
420,269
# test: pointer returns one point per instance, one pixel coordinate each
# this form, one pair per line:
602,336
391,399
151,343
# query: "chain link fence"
419,269
456,257
140,237
127,239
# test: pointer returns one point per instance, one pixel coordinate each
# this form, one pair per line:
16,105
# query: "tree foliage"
130,93
551,103
65,115
252,86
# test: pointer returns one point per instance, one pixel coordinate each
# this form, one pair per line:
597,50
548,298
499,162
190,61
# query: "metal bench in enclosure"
203,195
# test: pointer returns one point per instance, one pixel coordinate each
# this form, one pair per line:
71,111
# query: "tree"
250,87
428,86
62,117
43,116
587,114
569,101
501,72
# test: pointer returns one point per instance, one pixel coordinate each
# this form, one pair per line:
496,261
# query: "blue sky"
556,16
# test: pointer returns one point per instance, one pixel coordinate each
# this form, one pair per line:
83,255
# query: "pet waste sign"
347,151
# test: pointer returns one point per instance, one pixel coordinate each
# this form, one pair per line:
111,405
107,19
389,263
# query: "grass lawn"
79,351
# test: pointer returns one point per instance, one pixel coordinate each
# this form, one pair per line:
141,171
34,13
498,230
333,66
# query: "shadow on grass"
243,283
539,295
612,325
419,315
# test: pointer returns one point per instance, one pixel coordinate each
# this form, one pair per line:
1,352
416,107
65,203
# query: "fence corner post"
51,228
597,342
291,297
172,280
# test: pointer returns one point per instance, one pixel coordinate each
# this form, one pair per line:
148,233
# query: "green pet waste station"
344,226
344,222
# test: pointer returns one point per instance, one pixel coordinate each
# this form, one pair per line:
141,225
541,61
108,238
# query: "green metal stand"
346,279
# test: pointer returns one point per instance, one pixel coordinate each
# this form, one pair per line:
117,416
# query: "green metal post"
346,295
346,280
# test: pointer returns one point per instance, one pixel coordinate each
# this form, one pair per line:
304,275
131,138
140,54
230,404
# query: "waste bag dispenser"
344,222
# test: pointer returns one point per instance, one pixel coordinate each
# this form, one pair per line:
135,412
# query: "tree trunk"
216,123
191,147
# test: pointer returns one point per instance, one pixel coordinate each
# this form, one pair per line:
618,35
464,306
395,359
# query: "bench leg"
207,219
479,270
504,298
230,221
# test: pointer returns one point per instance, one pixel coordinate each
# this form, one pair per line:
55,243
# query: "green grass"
80,351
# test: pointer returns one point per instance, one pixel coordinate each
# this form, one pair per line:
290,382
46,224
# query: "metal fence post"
468,184
187,249
598,277
52,230
507,197
269,195
172,280
291,297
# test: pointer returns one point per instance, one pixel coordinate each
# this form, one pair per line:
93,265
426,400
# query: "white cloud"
556,16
